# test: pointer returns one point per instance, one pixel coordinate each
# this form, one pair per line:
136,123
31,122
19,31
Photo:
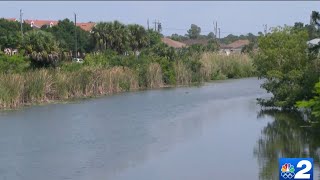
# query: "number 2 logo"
296,168
302,174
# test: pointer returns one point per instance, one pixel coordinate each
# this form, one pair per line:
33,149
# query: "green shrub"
13,64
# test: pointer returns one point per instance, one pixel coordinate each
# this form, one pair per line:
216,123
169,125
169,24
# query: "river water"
216,131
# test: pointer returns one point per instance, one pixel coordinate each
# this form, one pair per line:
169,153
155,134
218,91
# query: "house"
313,42
11,19
86,26
234,47
39,23
173,43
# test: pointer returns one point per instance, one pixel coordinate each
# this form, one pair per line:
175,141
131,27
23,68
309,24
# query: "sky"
233,17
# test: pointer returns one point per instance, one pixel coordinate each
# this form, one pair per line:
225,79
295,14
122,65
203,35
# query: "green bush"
283,60
13,64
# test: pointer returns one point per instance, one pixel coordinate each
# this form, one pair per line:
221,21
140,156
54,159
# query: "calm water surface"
198,133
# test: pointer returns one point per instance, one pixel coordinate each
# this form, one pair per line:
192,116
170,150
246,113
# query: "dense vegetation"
290,68
117,57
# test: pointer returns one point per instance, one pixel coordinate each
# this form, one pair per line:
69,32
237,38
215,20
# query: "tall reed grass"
48,85
154,76
219,66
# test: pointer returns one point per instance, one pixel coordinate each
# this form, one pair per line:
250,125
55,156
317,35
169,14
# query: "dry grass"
48,85
217,66
183,74
154,76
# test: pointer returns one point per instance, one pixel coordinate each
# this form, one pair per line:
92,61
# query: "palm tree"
138,37
111,35
315,18
41,47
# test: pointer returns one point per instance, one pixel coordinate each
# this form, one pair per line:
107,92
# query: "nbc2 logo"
295,168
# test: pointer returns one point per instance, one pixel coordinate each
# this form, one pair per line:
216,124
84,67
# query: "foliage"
178,37
111,35
247,48
215,66
231,38
288,135
315,18
39,41
44,85
10,33
64,33
313,103
138,38
13,64
194,31
42,48
284,62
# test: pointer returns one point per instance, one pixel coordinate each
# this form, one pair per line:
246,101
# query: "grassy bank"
47,85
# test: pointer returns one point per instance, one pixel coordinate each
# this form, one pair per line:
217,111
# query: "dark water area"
216,131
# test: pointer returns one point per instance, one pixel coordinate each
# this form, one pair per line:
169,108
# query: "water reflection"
287,136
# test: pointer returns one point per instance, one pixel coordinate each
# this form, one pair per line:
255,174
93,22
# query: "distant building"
86,26
173,43
234,47
313,42
39,23
50,23
11,19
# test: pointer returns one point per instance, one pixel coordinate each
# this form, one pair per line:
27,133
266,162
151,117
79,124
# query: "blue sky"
238,17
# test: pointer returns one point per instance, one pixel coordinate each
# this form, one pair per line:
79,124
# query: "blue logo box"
295,168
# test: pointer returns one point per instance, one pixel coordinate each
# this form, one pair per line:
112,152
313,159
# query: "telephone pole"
21,28
148,24
216,29
155,25
75,34
159,26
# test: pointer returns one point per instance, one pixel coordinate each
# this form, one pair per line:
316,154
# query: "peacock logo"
287,171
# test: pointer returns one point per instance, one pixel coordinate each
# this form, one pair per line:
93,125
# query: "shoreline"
75,99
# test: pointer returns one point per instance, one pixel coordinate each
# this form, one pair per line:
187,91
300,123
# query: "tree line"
195,33
291,68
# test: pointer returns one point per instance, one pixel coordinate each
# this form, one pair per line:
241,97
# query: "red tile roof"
172,43
86,26
236,44
40,23
11,19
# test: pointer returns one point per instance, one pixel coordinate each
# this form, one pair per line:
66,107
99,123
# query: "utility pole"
155,25
216,29
148,24
75,34
159,26
21,28
219,33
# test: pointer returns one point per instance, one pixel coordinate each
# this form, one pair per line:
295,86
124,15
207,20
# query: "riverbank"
51,85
